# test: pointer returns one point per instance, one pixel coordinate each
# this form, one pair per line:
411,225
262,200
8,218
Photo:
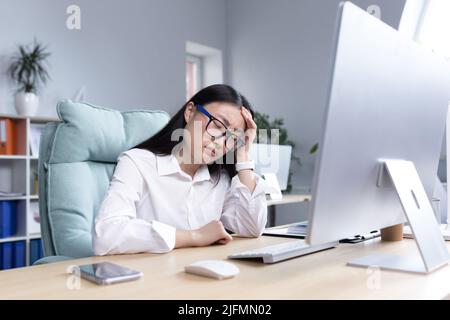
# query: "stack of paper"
294,230
35,138
298,228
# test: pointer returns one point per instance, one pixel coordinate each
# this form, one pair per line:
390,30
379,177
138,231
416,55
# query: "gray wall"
279,55
131,54
128,53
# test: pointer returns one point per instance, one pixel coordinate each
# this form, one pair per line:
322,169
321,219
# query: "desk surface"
290,198
322,275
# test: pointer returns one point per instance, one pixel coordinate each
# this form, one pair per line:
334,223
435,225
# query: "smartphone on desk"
107,273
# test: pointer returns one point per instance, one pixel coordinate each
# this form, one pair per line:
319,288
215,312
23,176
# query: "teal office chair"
77,158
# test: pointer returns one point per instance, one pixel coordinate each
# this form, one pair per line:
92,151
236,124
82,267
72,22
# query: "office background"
131,54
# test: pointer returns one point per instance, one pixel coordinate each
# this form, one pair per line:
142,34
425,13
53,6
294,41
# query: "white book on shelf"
34,223
35,138
2,131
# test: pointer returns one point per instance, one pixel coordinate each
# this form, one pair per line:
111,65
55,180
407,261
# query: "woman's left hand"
250,135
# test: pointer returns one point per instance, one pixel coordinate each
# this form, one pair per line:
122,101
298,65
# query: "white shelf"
34,236
11,239
13,198
31,197
290,198
18,157
16,174
13,157
31,119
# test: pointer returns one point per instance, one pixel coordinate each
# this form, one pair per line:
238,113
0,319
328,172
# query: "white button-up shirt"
150,197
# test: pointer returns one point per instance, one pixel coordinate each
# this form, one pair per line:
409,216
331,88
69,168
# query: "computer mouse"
217,269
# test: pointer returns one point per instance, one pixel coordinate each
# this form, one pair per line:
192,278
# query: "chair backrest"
77,158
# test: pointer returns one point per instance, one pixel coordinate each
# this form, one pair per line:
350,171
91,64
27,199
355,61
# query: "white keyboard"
282,251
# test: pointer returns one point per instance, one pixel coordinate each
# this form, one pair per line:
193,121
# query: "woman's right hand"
213,232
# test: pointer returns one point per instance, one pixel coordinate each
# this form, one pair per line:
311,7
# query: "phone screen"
107,272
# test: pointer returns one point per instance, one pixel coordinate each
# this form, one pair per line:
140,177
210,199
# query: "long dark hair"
162,144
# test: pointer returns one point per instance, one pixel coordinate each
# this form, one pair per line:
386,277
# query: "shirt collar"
168,164
202,173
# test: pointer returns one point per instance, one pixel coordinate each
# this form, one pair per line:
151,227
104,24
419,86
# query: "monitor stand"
419,213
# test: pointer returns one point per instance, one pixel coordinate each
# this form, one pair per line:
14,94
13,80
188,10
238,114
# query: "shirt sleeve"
117,229
245,212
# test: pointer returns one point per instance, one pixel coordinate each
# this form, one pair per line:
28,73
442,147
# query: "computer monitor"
388,100
272,158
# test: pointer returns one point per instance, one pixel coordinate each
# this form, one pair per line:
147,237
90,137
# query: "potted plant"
263,122
28,70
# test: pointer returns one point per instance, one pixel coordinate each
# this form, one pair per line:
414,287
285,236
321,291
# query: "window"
434,27
203,67
193,75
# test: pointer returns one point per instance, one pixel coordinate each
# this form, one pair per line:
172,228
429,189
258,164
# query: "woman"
167,194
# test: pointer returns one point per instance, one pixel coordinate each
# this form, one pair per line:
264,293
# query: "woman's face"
207,144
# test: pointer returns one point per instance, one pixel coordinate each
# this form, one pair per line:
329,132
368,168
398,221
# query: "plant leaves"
314,148
28,68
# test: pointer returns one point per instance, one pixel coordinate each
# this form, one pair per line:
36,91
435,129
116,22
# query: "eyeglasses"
216,129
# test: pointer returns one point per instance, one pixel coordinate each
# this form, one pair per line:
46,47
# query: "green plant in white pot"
28,70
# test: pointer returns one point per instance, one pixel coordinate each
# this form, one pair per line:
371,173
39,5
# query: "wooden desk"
287,198
290,198
322,275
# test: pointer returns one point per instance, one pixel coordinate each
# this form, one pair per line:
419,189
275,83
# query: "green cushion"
80,155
